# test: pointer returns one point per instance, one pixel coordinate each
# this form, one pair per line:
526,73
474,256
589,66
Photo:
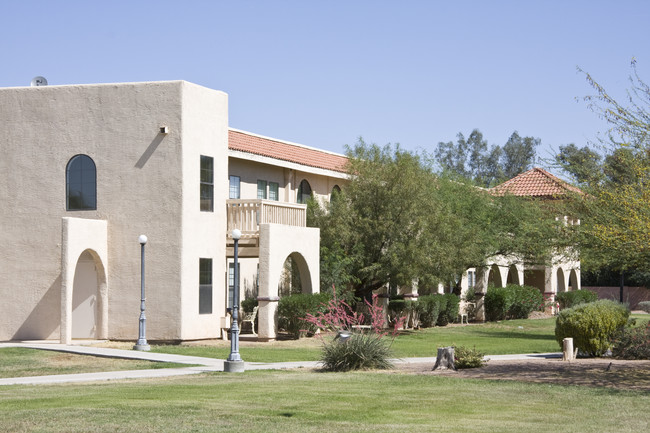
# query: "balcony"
247,215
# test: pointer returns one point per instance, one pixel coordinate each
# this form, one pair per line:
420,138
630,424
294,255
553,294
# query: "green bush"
449,313
523,301
632,343
249,304
512,302
468,358
429,309
294,308
645,306
575,297
496,302
362,351
592,326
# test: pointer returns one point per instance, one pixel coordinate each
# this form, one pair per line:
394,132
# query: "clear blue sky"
323,73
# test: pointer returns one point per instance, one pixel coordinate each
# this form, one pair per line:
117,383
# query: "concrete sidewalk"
199,364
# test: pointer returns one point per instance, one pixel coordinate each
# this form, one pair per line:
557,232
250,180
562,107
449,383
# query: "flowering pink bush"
339,316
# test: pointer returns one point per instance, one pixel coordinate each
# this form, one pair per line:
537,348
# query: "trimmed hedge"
512,302
575,297
449,312
429,308
293,309
592,326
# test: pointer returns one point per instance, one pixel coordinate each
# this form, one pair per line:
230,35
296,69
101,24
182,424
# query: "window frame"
206,194
81,157
236,189
263,190
274,189
205,286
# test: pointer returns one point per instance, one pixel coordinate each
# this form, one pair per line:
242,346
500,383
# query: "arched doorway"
85,298
513,275
573,280
561,286
494,278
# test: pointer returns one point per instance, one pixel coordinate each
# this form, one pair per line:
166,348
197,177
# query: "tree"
486,166
615,229
397,221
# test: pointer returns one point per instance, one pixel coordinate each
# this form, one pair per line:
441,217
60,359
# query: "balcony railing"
247,215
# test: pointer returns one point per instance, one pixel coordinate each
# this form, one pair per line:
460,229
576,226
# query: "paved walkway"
198,364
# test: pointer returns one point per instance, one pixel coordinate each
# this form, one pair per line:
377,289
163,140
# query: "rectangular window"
273,191
234,187
261,189
205,286
207,183
231,282
471,279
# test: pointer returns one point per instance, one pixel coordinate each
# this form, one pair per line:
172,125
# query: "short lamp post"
142,339
234,363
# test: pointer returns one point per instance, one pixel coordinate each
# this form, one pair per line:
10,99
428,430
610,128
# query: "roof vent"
38,81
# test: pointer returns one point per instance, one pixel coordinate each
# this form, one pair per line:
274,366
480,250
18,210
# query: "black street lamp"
142,339
234,363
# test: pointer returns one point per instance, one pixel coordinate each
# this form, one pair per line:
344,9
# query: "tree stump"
445,359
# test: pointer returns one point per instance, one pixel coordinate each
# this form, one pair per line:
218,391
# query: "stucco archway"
513,275
88,239
560,281
494,278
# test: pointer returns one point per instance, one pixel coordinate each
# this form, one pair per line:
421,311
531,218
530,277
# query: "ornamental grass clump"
359,343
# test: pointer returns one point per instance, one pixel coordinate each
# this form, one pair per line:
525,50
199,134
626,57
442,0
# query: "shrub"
292,310
512,302
406,309
249,304
468,358
496,302
523,301
429,309
645,306
359,352
575,297
632,343
591,325
450,311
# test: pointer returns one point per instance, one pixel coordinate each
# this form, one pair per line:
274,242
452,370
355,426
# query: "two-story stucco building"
86,169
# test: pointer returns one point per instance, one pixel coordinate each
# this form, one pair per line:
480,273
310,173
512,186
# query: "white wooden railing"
247,215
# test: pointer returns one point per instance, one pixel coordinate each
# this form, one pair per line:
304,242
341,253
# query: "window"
304,192
207,183
205,286
273,191
234,187
261,189
81,183
471,279
231,282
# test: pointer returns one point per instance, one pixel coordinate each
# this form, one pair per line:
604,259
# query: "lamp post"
234,363
142,339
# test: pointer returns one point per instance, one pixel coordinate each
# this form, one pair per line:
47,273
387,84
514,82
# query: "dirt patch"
598,372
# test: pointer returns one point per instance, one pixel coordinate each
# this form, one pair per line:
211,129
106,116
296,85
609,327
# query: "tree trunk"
445,359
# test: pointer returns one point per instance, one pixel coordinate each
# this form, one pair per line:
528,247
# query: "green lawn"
21,362
303,401
511,336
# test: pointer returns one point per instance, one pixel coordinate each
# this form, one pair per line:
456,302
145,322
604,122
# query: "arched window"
304,191
81,183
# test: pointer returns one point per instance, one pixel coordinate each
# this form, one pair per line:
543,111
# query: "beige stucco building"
86,169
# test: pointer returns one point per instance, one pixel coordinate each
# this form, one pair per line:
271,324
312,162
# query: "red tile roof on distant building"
535,183
282,150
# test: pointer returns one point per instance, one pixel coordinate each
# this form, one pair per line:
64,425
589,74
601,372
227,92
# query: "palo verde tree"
615,229
397,221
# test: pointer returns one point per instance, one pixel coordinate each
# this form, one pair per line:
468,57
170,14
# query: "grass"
512,336
303,401
21,362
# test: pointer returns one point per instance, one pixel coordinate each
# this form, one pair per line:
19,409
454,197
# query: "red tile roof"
535,183
250,143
